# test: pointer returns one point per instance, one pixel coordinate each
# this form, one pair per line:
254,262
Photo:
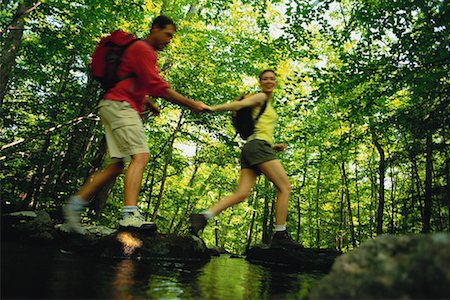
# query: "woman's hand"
279,147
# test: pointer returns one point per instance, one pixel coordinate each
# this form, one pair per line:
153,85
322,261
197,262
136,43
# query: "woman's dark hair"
162,21
264,72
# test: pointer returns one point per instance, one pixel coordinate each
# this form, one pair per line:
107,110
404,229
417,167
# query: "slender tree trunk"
298,202
349,207
252,221
297,236
216,228
428,184
420,189
358,212
35,182
447,177
166,165
317,211
339,234
265,226
381,174
184,218
393,188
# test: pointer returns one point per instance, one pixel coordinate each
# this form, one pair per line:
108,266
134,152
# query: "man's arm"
257,99
174,97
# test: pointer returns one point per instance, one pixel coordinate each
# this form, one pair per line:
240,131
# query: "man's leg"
99,179
77,203
133,178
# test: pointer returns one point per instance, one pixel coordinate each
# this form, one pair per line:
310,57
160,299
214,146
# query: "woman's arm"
257,99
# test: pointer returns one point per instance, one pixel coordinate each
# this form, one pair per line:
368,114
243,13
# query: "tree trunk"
166,166
35,182
447,176
393,188
252,221
381,173
428,184
358,212
317,212
216,228
349,206
419,188
339,234
11,44
265,226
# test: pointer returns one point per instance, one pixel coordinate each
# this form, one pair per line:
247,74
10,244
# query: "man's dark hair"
265,71
162,21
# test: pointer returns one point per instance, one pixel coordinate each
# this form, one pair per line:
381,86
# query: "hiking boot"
282,239
134,220
198,222
72,218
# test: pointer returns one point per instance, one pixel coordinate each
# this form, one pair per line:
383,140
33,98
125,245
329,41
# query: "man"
120,112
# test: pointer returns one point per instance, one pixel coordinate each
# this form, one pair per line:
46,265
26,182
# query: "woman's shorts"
124,130
256,152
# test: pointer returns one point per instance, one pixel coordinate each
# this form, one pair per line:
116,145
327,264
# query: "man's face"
163,36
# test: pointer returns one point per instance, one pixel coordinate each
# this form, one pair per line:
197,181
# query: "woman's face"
268,81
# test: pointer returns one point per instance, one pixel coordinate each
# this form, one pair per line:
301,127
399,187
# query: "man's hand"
199,107
155,110
279,147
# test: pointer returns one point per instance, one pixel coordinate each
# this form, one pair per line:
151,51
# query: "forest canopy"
362,97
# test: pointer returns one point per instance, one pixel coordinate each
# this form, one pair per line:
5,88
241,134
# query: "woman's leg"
274,171
247,180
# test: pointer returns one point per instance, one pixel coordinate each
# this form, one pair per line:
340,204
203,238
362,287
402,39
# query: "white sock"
128,209
208,214
281,227
77,203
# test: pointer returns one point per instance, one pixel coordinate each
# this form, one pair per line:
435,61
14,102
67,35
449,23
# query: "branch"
18,16
73,121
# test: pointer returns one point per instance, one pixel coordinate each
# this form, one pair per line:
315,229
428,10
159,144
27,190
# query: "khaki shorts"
256,152
124,130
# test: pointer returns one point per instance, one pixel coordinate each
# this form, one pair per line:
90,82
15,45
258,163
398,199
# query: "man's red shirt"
139,59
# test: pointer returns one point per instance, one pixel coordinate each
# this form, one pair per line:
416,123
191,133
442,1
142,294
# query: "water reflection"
60,276
122,286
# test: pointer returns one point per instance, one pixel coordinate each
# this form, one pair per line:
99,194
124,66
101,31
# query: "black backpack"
243,120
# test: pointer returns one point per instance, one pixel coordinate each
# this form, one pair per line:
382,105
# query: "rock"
35,226
414,266
137,244
96,231
101,241
302,259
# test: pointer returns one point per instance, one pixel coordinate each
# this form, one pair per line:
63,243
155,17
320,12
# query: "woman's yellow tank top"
265,125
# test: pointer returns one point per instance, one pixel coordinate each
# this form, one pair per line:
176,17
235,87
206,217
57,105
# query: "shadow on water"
45,273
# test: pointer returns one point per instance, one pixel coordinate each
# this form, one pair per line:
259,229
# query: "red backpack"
107,56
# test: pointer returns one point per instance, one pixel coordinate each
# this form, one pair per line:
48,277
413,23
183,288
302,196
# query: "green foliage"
352,74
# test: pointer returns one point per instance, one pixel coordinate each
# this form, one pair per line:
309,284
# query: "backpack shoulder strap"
261,111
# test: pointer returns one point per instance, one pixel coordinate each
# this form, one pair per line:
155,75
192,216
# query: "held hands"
280,147
199,107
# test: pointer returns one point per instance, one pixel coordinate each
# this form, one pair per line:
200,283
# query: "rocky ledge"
302,259
37,227
413,266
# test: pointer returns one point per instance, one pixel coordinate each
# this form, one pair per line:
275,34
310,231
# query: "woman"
257,157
